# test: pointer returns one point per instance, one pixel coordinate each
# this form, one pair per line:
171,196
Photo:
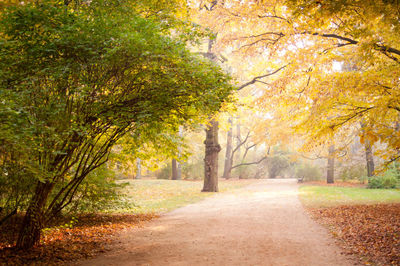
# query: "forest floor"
261,224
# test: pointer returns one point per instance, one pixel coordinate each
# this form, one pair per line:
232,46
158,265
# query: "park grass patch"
158,196
330,196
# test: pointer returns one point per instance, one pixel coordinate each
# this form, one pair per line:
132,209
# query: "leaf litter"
68,241
371,232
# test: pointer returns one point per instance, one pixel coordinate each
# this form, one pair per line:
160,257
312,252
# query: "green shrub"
165,172
193,170
276,165
99,192
390,179
352,172
308,172
385,181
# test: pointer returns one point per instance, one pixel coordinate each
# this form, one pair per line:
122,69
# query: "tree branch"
240,144
242,164
379,47
256,79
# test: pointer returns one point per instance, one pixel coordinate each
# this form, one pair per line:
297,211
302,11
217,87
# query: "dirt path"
262,224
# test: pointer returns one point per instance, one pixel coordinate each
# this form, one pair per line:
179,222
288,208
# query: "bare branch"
247,150
241,143
242,164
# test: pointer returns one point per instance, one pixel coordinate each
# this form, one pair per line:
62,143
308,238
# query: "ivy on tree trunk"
211,158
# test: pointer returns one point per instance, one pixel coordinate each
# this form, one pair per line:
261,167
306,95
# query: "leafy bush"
99,192
390,179
382,182
165,172
308,172
193,170
352,172
276,165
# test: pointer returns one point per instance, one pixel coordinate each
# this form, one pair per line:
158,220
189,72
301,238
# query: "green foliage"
99,193
193,169
165,172
382,182
390,179
353,172
276,165
308,172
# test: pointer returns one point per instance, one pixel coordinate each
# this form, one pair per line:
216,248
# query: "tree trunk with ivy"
211,158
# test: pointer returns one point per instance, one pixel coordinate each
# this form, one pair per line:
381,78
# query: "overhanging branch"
257,162
256,79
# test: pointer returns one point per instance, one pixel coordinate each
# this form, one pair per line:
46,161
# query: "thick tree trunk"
33,222
330,173
138,168
370,159
211,158
228,153
174,170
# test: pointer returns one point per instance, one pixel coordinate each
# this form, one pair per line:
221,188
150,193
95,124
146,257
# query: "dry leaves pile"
89,236
369,231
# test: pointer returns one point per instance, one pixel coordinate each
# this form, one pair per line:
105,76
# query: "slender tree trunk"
370,159
174,170
179,171
211,158
238,152
33,222
138,168
330,174
228,153
179,164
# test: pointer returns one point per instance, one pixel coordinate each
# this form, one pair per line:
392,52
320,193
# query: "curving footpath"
261,224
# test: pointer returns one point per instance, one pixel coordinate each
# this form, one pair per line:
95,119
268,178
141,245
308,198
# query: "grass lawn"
157,195
324,196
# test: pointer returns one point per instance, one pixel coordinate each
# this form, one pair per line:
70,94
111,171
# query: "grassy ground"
329,196
157,196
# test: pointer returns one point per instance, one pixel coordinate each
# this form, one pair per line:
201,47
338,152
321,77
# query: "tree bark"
174,170
179,164
238,141
138,168
211,158
228,153
330,173
370,159
32,224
